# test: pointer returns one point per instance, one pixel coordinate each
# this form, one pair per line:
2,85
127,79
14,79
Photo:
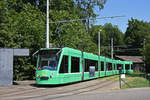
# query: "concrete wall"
6,63
6,66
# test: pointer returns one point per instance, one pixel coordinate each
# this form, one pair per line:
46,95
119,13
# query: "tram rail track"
28,94
73,92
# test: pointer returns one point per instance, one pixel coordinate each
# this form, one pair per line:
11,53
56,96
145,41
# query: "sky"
139,9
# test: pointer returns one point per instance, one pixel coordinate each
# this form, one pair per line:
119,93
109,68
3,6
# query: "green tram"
67,65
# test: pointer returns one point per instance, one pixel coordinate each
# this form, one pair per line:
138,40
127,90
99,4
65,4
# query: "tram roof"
86,53
50,48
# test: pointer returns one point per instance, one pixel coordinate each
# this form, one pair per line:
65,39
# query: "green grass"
109,78
135,81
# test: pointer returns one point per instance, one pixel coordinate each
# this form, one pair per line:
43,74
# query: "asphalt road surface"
123,94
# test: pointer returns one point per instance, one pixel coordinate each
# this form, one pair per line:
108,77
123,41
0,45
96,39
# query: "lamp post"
99,49
47,25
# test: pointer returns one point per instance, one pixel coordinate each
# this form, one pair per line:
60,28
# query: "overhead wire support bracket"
73,20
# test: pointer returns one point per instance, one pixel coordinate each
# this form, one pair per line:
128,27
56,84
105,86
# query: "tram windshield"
48,59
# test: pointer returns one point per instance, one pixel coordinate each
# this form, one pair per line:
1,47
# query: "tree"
113,32
22,29
59,5
86,9
108,31
72,34
146,53
94,34
94,30
22,25
136,32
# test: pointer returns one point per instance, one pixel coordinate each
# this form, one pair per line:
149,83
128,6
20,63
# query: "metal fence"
134,80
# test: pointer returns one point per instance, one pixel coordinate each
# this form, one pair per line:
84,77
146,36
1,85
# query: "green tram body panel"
87,61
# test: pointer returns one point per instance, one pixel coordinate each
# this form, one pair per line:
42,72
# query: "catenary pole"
144,55
112,48
99,42
47,25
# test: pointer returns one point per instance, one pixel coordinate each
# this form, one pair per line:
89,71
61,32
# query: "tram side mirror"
34,55
58,54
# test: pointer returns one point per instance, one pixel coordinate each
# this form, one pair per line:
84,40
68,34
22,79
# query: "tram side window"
89,63
95,63
127,67
115,66
132,66
102,66
106,66
109,66
75,64
119,65
86,65
64,65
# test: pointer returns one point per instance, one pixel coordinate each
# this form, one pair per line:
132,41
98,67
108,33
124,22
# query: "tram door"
102,73
82,76
75,68
63,72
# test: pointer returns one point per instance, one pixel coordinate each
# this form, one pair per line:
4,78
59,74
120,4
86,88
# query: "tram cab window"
64,65
48,60
75,64
127,66
102,66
